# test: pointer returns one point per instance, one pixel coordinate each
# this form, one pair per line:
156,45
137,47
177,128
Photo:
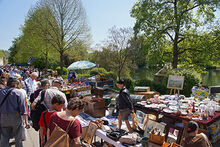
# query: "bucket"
107,100
144,141
111,110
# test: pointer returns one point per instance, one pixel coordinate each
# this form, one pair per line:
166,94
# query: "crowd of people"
22,93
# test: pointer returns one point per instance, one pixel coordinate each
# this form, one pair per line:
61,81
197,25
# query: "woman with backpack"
66,122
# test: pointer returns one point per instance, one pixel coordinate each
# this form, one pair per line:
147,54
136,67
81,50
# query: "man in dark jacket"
124,105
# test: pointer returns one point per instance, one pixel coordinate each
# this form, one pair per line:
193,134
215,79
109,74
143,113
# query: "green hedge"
96,71
129,83
65,70
191,78
110,75
106,75
154,86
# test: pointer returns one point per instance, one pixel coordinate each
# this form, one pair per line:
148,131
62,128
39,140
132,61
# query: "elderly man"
26,75
12,109
32,81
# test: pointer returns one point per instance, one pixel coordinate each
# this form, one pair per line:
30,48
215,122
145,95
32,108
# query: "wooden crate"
157,139
95,109
141,89
98,92
148,94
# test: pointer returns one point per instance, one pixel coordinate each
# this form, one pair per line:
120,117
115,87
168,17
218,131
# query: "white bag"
129,139
23,133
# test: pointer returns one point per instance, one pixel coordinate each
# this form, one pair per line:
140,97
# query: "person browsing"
57,105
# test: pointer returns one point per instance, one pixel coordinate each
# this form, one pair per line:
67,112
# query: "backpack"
36,113
59,137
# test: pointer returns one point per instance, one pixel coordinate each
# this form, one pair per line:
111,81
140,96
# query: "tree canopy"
172,20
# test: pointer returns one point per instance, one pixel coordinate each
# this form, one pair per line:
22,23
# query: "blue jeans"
11,127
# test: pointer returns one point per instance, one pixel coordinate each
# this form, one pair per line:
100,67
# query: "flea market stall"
178,111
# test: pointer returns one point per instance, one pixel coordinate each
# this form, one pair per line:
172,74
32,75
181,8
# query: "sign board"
175,82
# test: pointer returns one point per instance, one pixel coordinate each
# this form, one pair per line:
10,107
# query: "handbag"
116,134
129,139
59,137
23,131
134,121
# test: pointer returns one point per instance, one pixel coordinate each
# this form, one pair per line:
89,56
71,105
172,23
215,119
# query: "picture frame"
90,132
152,125
175,82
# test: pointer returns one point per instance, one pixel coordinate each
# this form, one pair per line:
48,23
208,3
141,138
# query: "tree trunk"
175,55
175,42
119,74
61,63
47,60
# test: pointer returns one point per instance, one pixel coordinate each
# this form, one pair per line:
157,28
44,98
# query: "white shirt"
32,83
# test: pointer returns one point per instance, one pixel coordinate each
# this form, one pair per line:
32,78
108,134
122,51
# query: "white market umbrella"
81,65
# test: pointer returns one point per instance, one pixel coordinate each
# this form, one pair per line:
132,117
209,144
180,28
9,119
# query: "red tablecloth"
201,122
206,123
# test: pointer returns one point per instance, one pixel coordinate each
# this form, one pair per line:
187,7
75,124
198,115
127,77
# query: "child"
57,104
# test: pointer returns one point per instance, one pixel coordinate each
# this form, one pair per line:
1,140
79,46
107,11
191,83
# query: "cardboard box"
95,109
157,139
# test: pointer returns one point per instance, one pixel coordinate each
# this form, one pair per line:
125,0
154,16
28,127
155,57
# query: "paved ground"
32,139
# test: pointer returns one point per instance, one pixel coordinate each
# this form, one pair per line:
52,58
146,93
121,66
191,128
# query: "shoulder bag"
9,91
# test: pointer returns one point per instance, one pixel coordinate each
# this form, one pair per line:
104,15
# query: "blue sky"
101,16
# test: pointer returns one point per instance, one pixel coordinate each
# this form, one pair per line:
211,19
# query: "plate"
183,112
184,107
174,108
162,106
167,110
195,118
173,103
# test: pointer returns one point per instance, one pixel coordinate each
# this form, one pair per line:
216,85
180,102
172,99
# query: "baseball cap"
192,126
121,82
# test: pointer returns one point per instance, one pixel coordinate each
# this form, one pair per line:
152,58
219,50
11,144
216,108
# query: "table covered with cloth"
84,120
211,125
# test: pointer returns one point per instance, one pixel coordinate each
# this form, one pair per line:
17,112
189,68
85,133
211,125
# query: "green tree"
171,19
103,58
77,53
35,35
119,43
68,25
205,50
13,50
